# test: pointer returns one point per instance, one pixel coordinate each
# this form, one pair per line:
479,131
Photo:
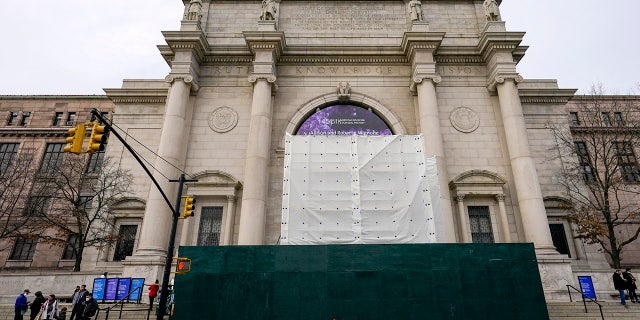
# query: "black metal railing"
584,299
120,303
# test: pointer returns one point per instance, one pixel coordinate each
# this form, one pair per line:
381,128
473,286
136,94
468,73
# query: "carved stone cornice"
343,59
194,41
493,42
187,78
545,95
421,42
138,95
33,132
273,41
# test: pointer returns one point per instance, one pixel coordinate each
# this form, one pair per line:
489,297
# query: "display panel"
344,120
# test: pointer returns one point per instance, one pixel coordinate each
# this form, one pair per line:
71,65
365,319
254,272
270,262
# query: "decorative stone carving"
415,9
271,78
269,10
344,91
464,119
491,10
188,79
223,119
194,13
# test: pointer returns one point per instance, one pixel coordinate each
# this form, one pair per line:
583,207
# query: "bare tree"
16,178
600,171
80,214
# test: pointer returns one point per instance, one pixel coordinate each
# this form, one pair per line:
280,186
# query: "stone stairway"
557,311
130,312
575,311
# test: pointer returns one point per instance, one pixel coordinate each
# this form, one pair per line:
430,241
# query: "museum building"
275,107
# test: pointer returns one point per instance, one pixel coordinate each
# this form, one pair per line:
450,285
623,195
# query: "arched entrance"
361,104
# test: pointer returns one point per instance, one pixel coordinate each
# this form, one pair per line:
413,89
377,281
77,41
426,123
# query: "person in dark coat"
631,285
620,284
21,305
36,304
78,302
90,307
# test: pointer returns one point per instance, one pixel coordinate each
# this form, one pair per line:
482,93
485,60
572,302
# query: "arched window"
344,120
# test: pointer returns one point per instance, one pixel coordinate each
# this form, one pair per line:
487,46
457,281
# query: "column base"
150,267
555,274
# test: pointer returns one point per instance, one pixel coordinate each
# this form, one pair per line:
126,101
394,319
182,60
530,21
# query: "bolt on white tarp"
357,190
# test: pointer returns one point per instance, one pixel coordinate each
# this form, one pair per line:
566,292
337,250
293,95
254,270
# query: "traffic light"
189,206
183,265
97,139
75,139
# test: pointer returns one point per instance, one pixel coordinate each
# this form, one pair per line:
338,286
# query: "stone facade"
239,83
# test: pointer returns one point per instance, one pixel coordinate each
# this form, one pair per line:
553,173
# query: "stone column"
254,196
504,221
532,211
430,127
465,228
154,234
229,218
420,48
266,47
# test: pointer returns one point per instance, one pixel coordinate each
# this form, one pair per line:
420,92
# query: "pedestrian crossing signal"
183,265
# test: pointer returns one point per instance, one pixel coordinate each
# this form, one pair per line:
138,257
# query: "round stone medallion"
223,119
464,119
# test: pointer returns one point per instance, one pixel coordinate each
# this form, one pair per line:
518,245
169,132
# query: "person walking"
631,285
36,304
21,305
620,284
153,293
50,308
90,307
77,302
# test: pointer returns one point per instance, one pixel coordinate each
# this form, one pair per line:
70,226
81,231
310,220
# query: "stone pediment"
128,203
214,178
479,182
479,177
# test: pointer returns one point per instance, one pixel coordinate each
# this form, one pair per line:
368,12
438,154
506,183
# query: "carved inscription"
341,17
461,71
341,70
231,70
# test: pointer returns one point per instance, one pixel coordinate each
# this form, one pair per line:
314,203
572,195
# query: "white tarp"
358,189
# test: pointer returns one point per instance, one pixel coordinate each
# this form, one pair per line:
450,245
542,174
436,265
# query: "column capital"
460,198
187,78
269,77
419,78
501,78
500,197
231,198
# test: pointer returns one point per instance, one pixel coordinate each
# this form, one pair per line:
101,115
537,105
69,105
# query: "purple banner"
123,288
344,120
112,288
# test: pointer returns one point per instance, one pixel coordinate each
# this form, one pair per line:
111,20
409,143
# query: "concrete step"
575,310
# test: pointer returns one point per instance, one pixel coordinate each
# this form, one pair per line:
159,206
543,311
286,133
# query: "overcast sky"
82,46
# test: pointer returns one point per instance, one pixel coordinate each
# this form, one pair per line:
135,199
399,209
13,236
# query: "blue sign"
111,289
124,284
98,288
136,289
586,285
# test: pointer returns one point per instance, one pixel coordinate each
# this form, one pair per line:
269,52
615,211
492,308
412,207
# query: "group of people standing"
625,281
41,308
83,306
